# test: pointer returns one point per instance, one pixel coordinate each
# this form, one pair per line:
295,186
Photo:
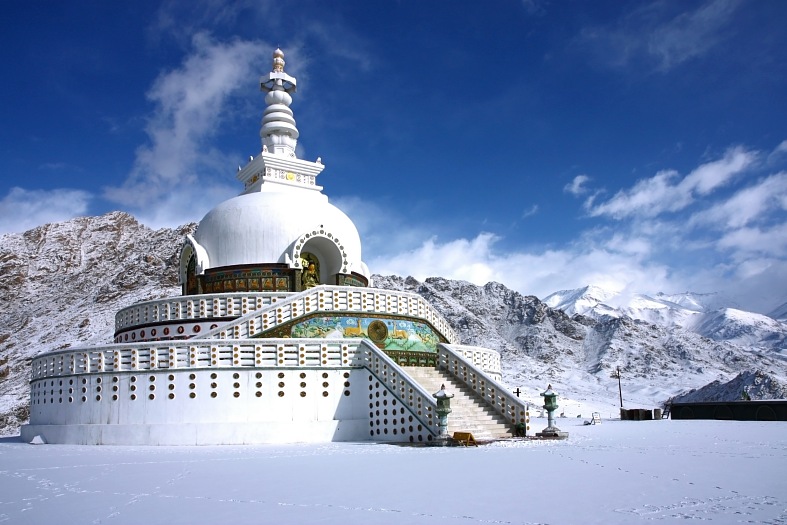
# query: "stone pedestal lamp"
443,409
550,405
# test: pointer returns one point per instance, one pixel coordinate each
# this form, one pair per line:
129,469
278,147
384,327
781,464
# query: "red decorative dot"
181,329
166,331
197,328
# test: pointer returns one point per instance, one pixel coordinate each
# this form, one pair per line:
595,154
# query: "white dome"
264,227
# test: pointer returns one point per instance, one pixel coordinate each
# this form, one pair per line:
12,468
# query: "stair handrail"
403,387
494,393
486,359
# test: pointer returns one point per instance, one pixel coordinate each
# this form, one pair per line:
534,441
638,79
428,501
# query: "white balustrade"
259,353
193,307
333,299
452,359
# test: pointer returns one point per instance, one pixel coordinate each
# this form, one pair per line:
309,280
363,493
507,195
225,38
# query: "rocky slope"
755,385
62,283
578,354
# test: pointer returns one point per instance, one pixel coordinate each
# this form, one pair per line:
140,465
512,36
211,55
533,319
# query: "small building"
278,336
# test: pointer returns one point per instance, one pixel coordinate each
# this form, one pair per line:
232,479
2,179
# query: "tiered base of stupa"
249,380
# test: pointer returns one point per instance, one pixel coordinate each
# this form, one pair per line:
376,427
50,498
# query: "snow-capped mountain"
709,315
583,301
62,284
757,385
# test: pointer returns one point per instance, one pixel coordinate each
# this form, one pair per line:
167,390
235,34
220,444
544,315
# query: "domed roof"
267,226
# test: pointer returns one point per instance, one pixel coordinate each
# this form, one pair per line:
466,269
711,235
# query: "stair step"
469,412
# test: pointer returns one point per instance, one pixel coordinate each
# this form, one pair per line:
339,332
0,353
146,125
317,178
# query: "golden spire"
278,61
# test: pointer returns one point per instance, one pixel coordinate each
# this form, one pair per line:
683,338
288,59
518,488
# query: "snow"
619,472
709,315
580,300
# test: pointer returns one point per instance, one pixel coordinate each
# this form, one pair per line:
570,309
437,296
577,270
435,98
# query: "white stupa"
278,336
282,219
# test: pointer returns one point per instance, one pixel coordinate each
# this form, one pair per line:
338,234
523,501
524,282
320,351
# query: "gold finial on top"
278,61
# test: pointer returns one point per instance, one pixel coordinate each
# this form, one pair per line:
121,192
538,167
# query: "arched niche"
330,254
193,261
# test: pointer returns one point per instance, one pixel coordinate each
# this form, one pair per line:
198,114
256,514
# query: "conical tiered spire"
278,132
277,168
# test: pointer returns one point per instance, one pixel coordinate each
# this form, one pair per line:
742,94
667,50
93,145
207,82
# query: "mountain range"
709,315
63,282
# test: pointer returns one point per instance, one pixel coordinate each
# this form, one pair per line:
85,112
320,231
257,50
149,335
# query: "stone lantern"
550,405
443,409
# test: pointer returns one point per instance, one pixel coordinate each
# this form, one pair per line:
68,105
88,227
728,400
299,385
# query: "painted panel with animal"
386,333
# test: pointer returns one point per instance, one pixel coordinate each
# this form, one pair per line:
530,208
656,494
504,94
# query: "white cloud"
778,153
577,186
535,7
735,242
532,210
22,209
715,174
648,197
653,32
690,34
666,192
539,273
747,205
191,103
382,229
751,242
181,19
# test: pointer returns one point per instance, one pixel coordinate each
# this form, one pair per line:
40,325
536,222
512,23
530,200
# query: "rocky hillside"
578,354
754,385
62,284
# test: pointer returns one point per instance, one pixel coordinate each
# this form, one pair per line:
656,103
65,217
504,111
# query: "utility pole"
616,373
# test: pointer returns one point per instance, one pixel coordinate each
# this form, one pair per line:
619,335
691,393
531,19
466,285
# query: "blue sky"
639,146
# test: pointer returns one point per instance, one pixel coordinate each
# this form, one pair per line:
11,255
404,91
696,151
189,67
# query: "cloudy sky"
639,146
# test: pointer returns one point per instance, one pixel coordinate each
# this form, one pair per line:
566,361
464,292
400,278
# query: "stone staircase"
469,412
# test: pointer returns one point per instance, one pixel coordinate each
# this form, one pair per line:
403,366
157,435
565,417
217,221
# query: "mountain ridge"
709,314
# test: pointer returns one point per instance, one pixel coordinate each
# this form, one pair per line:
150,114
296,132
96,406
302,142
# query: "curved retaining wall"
222,392
236,316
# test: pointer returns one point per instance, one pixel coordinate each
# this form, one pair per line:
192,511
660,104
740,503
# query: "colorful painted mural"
388,334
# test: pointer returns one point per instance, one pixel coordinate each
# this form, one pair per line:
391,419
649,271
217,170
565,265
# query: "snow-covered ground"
617,472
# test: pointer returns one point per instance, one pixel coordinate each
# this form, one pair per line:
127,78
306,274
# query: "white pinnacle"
278,131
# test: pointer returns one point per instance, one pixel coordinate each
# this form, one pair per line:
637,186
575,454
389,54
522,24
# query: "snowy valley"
62,284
